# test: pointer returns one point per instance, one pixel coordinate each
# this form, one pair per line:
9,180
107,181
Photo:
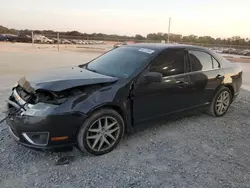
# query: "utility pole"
58,41
32,37
169,24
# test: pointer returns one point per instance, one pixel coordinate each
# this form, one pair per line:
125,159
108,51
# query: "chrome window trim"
185,62
204,70
187,73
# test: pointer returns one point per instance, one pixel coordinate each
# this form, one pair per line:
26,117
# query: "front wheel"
101,132
221,102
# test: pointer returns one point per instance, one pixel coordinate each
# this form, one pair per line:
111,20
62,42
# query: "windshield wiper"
86,67
95,71
92,70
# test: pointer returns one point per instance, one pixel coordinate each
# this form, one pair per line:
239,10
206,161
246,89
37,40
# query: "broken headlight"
51,97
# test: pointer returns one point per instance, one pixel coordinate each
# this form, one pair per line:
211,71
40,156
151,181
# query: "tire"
213,109
90,132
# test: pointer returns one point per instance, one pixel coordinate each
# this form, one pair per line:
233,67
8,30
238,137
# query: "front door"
152,100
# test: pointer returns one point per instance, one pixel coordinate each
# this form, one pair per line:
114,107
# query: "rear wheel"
101,132
221,102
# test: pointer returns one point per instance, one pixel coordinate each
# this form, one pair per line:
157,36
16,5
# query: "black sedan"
91,106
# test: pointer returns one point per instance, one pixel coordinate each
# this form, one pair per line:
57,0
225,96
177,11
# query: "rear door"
205,76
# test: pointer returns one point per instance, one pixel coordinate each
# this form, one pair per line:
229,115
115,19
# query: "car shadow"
65,156
164,121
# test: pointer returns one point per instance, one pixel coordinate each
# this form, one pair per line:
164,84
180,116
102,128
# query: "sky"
216,18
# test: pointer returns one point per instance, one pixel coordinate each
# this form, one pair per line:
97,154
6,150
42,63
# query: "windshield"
121,62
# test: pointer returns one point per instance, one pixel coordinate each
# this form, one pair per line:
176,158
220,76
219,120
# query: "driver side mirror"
153,77
150,77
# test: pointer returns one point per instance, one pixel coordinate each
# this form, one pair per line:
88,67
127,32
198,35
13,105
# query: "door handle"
181,83
220,77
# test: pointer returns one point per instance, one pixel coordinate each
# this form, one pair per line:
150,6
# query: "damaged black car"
92,105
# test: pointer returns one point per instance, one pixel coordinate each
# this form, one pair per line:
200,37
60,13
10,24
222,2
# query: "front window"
121,62
169,63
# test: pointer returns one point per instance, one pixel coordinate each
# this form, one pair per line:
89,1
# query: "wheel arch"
230,87
123,113
220,88
81,142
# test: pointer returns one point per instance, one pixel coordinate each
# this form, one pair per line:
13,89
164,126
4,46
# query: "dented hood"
59,79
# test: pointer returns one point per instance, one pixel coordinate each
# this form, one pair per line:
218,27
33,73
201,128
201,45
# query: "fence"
64,39
59,39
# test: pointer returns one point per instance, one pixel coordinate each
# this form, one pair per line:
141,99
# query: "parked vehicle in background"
75,41
3,37
8,37
15,38
245,52
230,50
99,42
65,41
23,38
42,39
225,50
219,50
92,105
117,45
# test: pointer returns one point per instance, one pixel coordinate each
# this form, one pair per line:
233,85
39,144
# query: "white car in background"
219,50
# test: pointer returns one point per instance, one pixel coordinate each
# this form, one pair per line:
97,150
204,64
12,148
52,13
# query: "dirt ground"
240,59
28,47
15,47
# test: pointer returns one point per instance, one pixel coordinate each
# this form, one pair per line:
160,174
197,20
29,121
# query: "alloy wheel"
103,133
222,102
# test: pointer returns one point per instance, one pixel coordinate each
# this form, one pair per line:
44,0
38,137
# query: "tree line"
151,37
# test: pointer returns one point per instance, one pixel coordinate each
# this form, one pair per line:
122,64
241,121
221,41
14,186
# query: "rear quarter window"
216,64
200,60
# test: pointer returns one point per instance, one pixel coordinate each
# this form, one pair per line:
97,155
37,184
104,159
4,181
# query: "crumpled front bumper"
59,126
42,129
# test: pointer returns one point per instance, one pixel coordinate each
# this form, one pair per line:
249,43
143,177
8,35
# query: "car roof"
162,46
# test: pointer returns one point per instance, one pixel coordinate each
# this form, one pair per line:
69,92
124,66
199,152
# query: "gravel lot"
193,151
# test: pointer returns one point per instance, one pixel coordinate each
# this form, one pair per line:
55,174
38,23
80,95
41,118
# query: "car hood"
59,79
